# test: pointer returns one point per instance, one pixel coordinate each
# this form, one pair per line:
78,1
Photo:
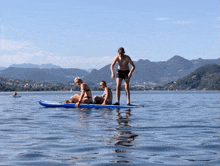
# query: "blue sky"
87,33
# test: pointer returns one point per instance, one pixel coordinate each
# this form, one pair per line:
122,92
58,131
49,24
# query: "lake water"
174,128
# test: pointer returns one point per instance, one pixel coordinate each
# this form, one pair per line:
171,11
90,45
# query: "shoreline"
9,92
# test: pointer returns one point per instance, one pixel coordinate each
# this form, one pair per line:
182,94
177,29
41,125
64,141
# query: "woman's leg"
73,99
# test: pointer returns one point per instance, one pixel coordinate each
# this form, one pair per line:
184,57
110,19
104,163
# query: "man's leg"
118,89
127,81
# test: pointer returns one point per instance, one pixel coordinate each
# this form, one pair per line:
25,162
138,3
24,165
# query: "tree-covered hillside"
7,84
204,78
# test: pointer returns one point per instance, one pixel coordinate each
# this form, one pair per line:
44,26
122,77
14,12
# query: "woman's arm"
106,96
81,96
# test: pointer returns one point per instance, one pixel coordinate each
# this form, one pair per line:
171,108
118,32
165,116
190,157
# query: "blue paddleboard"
15,96
72,105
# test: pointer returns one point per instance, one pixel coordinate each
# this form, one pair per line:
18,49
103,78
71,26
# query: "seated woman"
106,98
86,94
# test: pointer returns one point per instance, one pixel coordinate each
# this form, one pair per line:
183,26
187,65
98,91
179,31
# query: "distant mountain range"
204,78
153,73
146,73
59,75
2,68
42,66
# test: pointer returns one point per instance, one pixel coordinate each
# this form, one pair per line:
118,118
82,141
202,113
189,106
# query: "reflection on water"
124,135
81,124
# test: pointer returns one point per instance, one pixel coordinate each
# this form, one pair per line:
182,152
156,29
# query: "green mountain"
204,78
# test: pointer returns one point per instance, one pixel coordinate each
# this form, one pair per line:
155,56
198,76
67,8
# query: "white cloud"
180,22
172,21
161,19
43,57
16,52
85,63
10,45
21,57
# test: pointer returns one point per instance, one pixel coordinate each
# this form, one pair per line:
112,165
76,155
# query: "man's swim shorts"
122,74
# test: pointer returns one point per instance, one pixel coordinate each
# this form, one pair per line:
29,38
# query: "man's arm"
132,67
112,67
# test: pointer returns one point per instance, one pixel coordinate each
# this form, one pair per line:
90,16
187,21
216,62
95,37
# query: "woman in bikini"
106,97
86,94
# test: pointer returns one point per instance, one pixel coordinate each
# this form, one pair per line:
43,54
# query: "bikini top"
108,91
86,90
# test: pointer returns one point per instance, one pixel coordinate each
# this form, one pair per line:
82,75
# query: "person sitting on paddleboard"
86,94
123,73
107,96
15,94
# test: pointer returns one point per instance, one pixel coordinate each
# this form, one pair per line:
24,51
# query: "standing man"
123,73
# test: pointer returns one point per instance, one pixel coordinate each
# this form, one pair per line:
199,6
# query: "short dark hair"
104,82
121,50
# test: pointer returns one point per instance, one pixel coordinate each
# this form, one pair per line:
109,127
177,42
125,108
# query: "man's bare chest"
122,61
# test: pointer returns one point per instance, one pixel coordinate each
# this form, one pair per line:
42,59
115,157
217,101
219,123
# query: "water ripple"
174,128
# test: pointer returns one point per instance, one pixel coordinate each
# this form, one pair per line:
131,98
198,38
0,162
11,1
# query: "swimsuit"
109,102
122,74
88,97
109,92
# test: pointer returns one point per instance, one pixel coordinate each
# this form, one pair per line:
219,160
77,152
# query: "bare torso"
109,93
123,61
88,93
